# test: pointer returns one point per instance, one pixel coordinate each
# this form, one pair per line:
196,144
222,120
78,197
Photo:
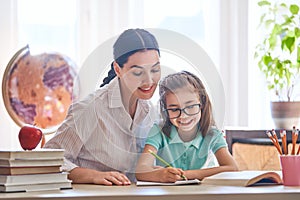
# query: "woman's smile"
147,89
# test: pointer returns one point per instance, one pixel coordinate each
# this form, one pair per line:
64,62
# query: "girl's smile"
184,122
183,99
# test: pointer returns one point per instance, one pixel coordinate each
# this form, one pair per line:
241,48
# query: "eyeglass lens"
189,110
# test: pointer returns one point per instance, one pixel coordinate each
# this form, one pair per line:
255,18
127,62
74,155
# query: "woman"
103,134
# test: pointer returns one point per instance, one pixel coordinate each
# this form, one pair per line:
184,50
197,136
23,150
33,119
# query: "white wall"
8,129
234,60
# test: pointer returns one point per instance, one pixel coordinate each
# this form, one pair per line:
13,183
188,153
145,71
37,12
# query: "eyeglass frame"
183,110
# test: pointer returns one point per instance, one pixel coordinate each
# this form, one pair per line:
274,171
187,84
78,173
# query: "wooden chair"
253,150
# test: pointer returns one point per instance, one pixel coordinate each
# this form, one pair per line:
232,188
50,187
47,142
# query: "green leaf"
273,37
288,20
263,3
289,43
262,18
271,87
297,32
298,53
290,33
267,60
283,5
294,9
269,22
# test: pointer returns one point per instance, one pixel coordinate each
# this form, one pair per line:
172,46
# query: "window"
196,19
199,22
48,25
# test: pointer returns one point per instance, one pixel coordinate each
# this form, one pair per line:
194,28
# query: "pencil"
294,140
283,140
276,141
164,162
270,136
276,144
275,136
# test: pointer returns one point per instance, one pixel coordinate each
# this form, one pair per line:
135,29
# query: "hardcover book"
35,154
33,178
36,187
29,170
33,170
33,158
31,163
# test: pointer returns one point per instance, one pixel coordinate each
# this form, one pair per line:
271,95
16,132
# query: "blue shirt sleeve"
218,140
155,137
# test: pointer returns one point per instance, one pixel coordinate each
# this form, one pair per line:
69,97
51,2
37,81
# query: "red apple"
29,137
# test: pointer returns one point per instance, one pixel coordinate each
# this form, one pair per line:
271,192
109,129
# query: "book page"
183,182
244,178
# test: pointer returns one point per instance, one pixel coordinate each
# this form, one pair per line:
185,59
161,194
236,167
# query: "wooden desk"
188,192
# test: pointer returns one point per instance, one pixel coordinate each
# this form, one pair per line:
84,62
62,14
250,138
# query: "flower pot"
285,114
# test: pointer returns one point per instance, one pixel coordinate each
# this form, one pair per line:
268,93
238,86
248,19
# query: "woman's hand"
84,175
111,178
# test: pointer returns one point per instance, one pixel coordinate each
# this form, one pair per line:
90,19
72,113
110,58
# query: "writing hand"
171,174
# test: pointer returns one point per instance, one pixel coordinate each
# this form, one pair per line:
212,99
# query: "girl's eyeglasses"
189,110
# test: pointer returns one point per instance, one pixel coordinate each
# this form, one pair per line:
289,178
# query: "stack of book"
32,170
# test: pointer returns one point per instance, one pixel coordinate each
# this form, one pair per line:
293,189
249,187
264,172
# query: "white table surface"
190,192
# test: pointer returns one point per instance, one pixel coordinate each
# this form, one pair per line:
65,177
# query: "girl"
187,135
103,134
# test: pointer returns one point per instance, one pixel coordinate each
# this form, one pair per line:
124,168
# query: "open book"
183,182
244,178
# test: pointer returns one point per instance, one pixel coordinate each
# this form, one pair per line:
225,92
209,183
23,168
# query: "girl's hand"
170,174
111,178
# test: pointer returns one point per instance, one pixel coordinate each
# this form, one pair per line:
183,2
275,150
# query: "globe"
38,89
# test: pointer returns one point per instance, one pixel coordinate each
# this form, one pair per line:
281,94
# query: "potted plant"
278,58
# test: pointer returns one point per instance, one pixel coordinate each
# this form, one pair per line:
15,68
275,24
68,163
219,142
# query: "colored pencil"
274,141
283,141
294,140
297,133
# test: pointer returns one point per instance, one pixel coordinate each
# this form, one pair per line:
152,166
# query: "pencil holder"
290,165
